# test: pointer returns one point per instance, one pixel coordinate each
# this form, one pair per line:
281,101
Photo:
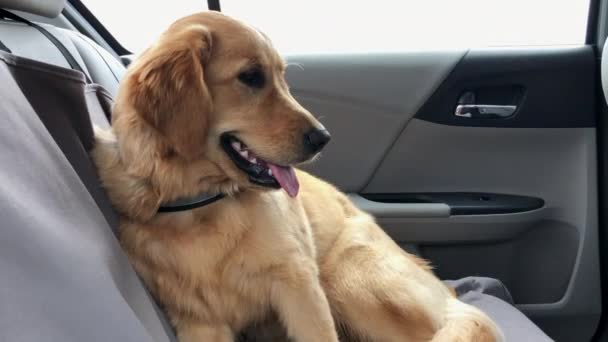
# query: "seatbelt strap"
4,48
64,51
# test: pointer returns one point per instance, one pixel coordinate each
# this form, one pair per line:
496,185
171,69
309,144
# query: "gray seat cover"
492,297
63,274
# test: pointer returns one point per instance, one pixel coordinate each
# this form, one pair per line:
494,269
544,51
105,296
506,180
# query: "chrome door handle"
484,111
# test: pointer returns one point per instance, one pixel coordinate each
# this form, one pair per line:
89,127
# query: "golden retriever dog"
206,109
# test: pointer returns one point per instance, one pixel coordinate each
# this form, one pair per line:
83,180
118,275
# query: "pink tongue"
286,176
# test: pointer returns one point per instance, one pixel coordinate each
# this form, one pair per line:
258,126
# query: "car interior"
489,162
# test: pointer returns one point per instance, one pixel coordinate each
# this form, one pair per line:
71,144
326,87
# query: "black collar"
183,204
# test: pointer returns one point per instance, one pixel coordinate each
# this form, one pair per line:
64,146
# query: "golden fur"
314,259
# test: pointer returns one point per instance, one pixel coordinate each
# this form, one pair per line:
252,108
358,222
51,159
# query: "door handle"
484,111
467,107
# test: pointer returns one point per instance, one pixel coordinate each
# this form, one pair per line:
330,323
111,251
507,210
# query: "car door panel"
558,85
337,89
396,136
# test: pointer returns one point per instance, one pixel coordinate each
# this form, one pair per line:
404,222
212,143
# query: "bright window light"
327,26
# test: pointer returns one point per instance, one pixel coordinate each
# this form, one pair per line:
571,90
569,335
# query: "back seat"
64,276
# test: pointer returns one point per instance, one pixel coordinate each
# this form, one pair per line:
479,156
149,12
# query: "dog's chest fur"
219,263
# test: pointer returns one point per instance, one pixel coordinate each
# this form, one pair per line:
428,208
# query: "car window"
137,23
317,26
394,25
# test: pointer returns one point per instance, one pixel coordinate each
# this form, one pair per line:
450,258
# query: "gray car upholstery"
89,272
64,276
493,298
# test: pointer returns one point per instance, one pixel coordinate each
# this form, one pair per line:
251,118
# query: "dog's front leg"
302,305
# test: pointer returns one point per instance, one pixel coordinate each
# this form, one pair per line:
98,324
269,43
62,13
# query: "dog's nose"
316,139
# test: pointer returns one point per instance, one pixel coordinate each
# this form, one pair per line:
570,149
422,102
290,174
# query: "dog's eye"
253,78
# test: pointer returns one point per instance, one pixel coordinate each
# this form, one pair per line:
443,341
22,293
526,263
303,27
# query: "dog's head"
209,104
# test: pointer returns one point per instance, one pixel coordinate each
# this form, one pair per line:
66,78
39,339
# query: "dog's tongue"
286,176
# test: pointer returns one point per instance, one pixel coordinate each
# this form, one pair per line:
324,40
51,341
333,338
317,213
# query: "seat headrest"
46,8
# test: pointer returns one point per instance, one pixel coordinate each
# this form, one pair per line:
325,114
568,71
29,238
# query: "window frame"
214,5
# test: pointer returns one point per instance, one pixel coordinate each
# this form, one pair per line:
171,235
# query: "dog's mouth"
260,171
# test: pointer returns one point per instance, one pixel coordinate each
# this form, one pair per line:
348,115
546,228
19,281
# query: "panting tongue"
286,176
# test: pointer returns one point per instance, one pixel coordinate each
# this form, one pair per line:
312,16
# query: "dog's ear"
169,89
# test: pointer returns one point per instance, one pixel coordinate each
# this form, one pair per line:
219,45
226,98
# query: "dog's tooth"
253,160
269,172
236,145
245,154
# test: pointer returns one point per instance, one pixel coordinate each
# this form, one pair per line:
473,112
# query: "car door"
481,159
513,198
